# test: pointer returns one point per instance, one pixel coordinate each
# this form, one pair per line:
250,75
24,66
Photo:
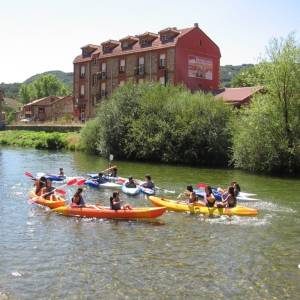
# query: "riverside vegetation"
170,124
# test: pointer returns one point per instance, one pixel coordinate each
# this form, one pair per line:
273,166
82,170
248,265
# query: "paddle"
80,182
28,174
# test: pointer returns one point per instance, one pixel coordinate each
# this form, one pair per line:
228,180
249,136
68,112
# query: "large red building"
177,56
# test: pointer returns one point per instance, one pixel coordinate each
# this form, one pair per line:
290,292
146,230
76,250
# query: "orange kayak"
106,213
44,202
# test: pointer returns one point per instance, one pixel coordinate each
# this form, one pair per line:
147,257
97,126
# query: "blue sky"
37,36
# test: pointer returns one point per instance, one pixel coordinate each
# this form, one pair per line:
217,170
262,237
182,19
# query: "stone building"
177,56
49,108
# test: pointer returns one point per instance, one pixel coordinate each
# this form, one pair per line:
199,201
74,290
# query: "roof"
238,95
45,101
118,51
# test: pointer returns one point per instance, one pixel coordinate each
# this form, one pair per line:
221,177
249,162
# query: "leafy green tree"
267,135
43,86
248,77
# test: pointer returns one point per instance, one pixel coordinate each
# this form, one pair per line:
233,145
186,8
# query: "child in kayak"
115,202
77,199
148,184
131,183
209,198
48,191
229,199
114,172
101,178
61,172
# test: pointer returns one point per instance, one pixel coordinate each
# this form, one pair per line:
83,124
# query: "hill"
230,71
11,90
65,78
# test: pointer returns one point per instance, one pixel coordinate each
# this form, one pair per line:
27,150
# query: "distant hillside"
229,71
11,90
65,78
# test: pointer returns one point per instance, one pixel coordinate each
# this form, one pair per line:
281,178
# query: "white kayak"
130,191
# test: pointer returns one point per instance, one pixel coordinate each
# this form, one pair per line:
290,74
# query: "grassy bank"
41,139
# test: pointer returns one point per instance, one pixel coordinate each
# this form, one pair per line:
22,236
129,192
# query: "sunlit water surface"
179,256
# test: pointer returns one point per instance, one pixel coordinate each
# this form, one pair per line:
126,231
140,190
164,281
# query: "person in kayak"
193,199
130,183
229,199
115,202
114,172
48,191
209,198
148,184
186,194
237,188
61,172
101,178
77,199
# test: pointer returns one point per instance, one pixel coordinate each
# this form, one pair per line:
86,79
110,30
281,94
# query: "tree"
267,135
248,77
46,85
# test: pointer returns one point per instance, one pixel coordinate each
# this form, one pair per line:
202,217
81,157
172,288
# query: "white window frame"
82,70
82,90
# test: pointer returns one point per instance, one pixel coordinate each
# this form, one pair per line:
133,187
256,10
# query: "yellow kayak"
173,205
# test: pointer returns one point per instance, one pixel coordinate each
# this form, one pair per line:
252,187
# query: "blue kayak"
55,177
147,191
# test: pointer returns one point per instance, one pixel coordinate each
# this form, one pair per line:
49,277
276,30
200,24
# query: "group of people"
229,196
43,187
148,184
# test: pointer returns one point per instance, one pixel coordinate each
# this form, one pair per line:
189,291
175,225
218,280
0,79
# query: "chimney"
196,25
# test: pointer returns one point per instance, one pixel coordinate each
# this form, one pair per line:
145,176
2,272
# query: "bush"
153,122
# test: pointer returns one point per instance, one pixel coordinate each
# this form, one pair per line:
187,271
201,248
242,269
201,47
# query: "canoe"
241,197
130,191
107,213
183,207
51,177
44,202
147,191
106,185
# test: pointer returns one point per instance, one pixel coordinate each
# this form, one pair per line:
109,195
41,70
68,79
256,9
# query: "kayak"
44,202
106,185
51,177
106,213
218,196
131,191
109,178
201,209
147,191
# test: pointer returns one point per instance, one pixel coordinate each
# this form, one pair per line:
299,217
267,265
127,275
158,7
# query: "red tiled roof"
43,101
118,51
238,94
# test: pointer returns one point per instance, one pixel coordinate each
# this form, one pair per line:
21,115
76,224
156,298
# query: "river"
180,256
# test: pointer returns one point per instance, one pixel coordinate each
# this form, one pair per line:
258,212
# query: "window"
103,69
82,90
103,89
164,38
122,66
162,61
162,80
145,43
94,81
141,69
122,82
94,61
82,71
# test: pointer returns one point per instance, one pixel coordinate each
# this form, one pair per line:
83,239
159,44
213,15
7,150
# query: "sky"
38,36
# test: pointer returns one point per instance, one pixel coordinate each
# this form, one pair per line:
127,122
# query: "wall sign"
199,67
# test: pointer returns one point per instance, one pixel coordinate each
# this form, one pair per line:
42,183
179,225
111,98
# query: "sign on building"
199,67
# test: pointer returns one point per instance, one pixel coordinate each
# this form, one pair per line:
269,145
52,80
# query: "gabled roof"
169,29
45,101
238,95
129,38
137,47
110,43
149,35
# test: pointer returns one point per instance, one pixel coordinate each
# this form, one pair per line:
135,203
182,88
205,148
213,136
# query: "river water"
180,256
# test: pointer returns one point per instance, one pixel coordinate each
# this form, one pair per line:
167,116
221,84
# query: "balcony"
82,75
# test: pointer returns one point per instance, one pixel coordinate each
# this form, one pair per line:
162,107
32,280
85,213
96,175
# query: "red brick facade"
186,56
